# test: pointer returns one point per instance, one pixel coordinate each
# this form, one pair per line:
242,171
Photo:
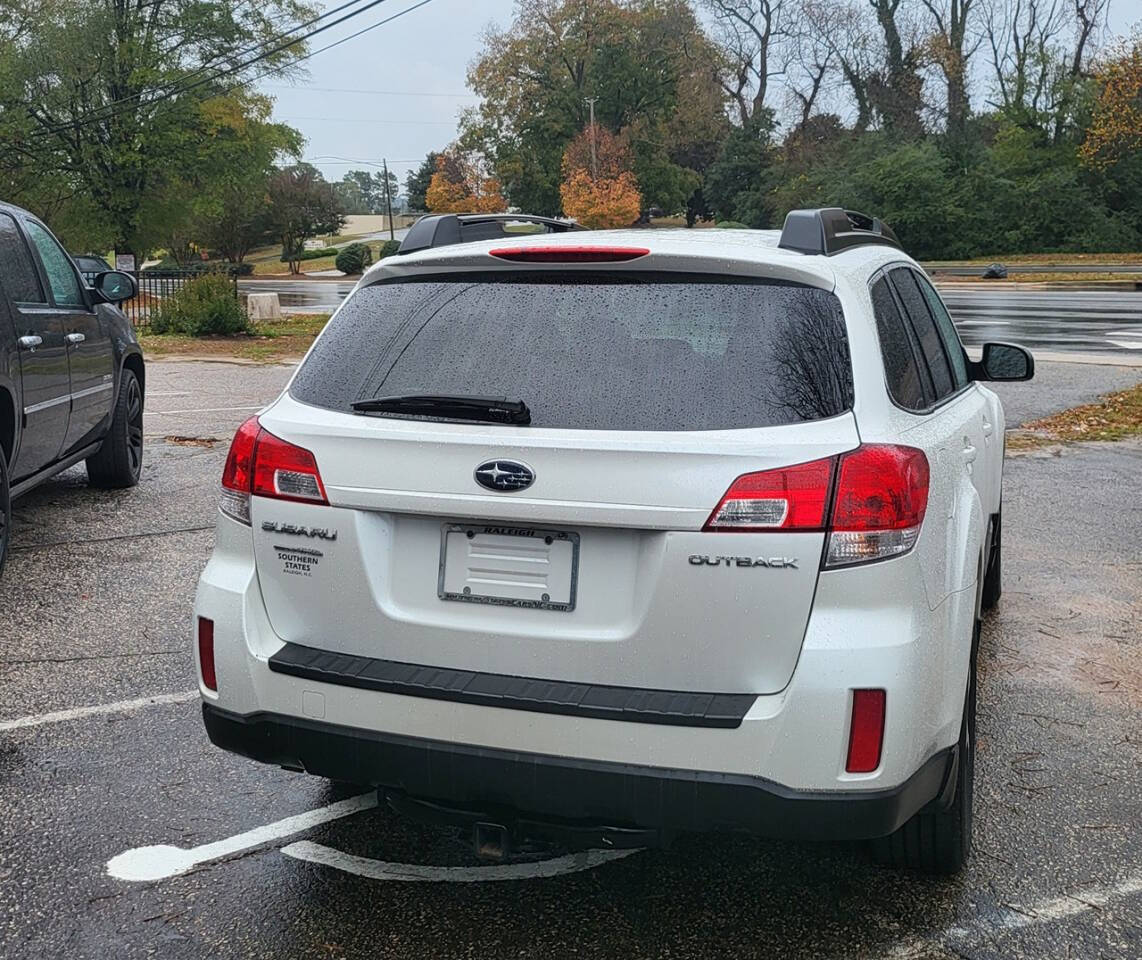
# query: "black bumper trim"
573,790
724,710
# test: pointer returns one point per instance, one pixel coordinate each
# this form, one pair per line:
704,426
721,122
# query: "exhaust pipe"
491,841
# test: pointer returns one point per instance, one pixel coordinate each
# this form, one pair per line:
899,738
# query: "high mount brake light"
263,465
579,254
877,508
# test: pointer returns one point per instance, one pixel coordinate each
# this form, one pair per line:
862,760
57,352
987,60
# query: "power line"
382,93
429,123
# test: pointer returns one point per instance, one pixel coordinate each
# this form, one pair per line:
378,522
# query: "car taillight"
882,493
263,465
877,507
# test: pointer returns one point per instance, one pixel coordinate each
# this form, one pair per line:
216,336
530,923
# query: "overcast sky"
398,90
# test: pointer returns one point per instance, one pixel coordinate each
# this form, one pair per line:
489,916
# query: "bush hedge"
354,258
310,254
202,266
388,248
200,307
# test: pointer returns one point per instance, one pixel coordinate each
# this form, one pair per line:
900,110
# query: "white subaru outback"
615,535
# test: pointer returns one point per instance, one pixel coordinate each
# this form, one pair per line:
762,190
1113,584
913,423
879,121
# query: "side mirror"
1004,361
114,286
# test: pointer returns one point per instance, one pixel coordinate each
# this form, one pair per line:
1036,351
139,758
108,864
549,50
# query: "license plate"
509,565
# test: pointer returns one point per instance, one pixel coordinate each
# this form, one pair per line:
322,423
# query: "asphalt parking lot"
102,752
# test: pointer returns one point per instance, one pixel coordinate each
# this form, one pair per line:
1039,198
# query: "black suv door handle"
75,339
31,341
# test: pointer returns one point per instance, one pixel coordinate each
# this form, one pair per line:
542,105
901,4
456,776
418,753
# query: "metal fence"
157,285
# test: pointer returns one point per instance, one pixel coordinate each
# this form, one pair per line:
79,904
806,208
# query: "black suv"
71,371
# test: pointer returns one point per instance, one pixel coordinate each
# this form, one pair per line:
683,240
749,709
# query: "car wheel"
992,579
119,461
5,512
938,838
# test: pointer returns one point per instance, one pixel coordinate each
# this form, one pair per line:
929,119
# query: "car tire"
5,512
993,577
937,840
119,461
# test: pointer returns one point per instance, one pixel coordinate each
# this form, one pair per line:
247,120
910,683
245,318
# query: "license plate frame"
558,539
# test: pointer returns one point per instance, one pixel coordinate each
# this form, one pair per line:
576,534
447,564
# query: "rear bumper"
574,790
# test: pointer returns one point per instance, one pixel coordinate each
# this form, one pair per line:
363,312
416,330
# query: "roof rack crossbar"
444,229
830,230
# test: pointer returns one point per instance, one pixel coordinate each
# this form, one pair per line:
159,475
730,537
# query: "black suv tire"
5,512
938,839
119,461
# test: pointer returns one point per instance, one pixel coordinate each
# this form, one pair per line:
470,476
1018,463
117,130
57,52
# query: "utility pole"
388,198
594,160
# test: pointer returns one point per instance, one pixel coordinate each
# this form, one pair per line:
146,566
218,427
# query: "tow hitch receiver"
491,840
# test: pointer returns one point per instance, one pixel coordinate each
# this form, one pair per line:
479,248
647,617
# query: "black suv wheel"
119,461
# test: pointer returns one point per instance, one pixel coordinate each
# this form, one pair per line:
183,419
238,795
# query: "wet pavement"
95,608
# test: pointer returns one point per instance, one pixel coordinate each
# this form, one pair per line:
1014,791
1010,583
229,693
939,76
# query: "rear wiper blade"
486,409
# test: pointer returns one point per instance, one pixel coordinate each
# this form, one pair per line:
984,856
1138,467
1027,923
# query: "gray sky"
411,75
420,60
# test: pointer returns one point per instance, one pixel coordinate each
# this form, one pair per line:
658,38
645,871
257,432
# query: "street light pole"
388,198
594,160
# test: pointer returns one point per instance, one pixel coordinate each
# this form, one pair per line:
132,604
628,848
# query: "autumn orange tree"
460,185
600,191
1116,127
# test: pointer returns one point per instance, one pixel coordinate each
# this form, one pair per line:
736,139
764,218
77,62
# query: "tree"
461,185
362,191
737,183
417,182
599,188
951,52
752,32
1115,132
106,96
302,206
649,68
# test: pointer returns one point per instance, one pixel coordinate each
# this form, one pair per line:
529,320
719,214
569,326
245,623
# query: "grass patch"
1135,257
1114,417
285,339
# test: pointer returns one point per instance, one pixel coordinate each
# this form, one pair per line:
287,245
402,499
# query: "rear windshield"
613,352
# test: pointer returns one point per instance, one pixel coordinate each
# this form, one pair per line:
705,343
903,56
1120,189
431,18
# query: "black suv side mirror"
1003,361
114,286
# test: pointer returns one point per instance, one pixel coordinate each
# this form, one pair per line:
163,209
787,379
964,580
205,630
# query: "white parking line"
179,413
418,873
1017,917
81,713
143,864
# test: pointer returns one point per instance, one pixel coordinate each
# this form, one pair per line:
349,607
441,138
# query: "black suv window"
18,274
951,338
906,382
57,265
931,345
593,351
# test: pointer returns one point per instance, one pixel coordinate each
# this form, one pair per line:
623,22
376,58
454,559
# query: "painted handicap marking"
417,873
162,861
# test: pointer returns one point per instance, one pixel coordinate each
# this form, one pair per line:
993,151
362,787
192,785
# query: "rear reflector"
866,733
791,498
877,509
569,254
263,465
206,654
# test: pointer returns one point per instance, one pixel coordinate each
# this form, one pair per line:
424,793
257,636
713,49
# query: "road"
95,607
1065,322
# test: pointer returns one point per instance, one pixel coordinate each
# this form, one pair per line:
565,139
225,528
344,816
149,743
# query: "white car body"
662,604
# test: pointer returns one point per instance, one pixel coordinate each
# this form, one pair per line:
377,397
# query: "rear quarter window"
597,352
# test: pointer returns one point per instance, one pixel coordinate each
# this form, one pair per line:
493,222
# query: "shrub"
200,307
388,248
730,225
311,254
354,258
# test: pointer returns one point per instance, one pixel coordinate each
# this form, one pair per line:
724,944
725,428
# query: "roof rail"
830,230
443,229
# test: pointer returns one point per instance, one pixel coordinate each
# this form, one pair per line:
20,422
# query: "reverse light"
206,654
866,731
581,254
878,504
263,465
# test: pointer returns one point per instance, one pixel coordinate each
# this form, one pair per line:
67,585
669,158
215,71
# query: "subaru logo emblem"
504,475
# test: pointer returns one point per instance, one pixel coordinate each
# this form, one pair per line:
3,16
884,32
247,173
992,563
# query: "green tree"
736,186
105,98
302,205
417,182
